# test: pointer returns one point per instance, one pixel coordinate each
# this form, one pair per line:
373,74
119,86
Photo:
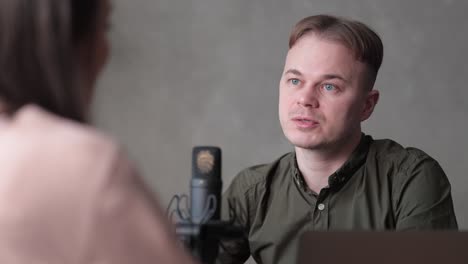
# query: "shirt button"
321,206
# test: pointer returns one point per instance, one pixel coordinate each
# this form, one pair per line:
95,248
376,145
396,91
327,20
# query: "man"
337,178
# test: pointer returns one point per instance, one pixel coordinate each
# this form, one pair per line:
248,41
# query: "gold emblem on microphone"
205,161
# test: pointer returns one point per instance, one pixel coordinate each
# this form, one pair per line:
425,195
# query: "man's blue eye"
295,81
329,87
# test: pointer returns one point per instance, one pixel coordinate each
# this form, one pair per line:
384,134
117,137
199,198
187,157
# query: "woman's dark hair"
38,53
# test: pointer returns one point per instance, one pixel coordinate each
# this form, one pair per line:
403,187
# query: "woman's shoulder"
35,126
44,140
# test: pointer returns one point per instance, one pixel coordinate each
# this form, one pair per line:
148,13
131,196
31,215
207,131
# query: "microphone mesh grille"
205,161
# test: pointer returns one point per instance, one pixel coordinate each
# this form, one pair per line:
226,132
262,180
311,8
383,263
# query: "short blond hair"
358,37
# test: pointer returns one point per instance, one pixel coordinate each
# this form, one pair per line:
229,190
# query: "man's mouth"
305,122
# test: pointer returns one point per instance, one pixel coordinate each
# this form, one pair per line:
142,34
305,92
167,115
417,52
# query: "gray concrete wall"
206,72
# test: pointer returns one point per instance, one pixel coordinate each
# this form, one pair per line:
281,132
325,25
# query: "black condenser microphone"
205,201
206,184
202,229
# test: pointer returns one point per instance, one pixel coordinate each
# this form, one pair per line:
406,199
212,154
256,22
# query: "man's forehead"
319,56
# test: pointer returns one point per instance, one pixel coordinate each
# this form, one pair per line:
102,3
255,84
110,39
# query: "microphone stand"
203,239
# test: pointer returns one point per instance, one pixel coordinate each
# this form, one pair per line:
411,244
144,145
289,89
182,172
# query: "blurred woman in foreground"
67,193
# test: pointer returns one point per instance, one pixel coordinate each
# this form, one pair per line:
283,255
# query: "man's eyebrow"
334,76
293,71
329,76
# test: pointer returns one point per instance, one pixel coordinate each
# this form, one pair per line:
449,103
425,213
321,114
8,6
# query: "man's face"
323,98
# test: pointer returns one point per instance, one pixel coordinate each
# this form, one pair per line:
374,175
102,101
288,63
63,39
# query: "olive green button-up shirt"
382,186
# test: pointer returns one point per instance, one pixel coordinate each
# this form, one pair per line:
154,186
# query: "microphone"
205,200
206,184
201,228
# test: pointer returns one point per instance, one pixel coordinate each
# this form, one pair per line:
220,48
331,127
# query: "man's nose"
308,97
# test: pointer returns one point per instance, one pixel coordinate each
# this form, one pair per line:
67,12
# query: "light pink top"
69,195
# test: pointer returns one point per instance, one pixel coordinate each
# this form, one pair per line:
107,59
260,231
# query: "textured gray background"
206,72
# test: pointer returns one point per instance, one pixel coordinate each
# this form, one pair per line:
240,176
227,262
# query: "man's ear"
371,100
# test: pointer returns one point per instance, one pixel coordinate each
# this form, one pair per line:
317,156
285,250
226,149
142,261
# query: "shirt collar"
342,175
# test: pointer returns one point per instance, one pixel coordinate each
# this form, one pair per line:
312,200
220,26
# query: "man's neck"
316,166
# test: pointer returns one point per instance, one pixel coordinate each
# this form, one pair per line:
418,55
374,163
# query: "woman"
67,193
